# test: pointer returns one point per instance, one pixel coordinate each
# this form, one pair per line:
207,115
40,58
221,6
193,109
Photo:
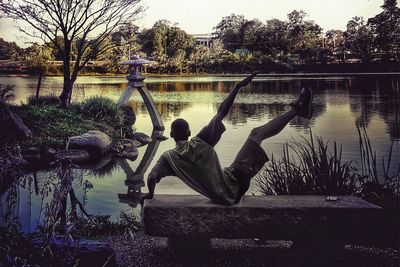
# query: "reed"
386,177
309,167
313,167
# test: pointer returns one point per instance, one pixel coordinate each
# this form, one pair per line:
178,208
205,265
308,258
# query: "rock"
31,154
125,148
144,139
14,125
73,155
95,142
131,153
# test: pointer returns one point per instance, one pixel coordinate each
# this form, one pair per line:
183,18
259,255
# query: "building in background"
204,39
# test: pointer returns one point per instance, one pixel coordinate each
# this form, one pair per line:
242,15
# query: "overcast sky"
200,16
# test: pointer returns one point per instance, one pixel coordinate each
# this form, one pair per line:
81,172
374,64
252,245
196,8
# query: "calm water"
340,102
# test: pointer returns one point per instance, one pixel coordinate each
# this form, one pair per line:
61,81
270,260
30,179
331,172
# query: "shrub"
43,100
309,168
103,109
52,126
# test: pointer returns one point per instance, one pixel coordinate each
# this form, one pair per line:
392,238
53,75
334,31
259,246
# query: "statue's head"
180,130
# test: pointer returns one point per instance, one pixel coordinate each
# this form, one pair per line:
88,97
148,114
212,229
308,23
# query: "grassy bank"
52,125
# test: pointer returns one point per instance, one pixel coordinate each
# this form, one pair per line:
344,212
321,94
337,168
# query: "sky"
201,16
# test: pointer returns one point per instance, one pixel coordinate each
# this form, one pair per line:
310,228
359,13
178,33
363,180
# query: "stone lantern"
136,67
136,80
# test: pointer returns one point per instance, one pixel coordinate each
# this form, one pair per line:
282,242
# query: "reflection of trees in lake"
270,86
241,112
370,96
367,95
166,109
53,188
189,86
389,95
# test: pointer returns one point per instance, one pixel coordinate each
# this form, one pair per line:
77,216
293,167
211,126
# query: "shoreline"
288,74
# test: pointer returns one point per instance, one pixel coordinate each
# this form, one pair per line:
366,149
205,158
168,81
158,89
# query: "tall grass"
387,177
102,108
308,168
43,100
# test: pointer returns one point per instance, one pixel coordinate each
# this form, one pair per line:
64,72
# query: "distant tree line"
238,44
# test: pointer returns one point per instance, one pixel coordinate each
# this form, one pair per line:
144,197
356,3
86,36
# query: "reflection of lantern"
136,80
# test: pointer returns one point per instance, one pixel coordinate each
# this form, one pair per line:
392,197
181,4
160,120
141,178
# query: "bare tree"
79,25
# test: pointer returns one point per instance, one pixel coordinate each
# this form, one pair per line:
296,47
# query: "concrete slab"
269,217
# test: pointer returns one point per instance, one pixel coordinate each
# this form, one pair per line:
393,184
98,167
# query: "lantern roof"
136,60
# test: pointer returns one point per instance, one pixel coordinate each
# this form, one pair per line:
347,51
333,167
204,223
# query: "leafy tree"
36,56
9,50
304,36
229,30
85,23
167,44
275,38
125,44
179,42
359,38
386,28
335,43
199,57
154,40
252,34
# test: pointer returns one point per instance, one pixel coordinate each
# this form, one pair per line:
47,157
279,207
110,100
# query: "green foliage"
103,109
308,168
359,38
36,56
9,50
167,44
52,125
285,43
102,225
386,27
43,100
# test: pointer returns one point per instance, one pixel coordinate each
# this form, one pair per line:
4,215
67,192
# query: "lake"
340,103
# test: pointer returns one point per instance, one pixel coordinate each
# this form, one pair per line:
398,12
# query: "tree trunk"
69,81
66,93
39,83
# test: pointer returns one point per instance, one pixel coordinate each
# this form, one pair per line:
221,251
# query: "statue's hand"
146,196
247,80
